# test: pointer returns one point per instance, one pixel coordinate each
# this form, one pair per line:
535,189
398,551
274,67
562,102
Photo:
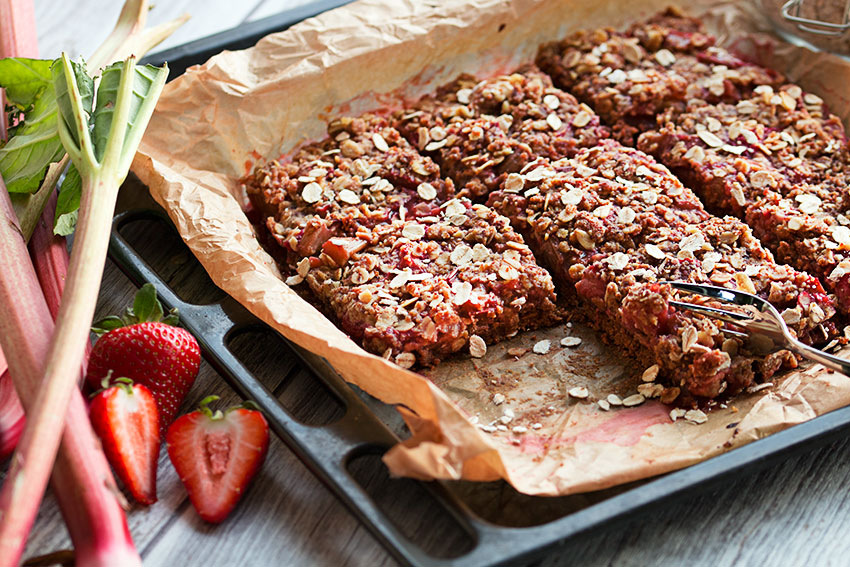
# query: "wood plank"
79,27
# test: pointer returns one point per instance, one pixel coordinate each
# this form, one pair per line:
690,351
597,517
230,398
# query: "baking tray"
329,450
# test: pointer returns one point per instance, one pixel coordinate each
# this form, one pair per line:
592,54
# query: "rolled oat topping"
435,285
629,77
615,268
364,174
497,127
788,182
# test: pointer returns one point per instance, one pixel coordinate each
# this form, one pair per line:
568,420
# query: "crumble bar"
418,290
404,267
479,131
612,223
778,160
364,174
630,77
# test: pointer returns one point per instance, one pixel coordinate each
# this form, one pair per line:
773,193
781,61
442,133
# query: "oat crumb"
498,399
634,400
579,392
615,400
696,416
676,413
542,347
650,374
477,346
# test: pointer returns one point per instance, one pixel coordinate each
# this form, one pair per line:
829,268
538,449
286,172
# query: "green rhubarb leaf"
144,78
68,203
35,145
64,100
24,79
35,142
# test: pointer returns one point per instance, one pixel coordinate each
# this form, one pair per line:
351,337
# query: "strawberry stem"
204,409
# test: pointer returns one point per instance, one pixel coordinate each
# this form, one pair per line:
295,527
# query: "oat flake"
349,196
650,374
634,400
542,347
582,119
514,183
655,251
570,341
710,139
552,101
312,192
665,57
696,416
554,122
380,143
406,359
426,191
413,231
626,215
477,347
579,392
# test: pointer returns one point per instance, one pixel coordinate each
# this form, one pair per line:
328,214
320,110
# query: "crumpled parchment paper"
220,118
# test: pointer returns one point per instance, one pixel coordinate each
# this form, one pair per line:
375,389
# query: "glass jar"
818,24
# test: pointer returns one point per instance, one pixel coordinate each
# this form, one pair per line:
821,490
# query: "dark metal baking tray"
329,450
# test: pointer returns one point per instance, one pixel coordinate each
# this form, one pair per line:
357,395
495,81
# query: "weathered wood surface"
793,514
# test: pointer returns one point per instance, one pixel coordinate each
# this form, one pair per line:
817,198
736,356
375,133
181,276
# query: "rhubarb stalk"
102,153
83,483
11,412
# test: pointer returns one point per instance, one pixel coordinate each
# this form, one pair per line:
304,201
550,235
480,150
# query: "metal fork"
765,331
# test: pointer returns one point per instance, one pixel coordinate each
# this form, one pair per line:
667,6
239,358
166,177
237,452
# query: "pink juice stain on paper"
625,428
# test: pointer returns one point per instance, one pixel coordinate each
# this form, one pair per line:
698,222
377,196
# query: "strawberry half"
217,454
124,416
145,346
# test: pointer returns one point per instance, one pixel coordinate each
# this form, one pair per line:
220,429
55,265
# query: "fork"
766,331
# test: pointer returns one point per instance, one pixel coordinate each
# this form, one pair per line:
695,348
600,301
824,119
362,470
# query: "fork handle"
828,360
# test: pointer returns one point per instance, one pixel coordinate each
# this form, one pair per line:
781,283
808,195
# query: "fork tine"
721,293
731,333
714,313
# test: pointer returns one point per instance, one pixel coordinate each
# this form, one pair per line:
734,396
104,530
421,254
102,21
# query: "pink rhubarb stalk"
11,412
83,483
126,98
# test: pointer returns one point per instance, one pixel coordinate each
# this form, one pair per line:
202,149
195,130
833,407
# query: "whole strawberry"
124,416
217,454
146,347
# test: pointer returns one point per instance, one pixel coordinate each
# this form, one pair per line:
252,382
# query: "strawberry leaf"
107,324
146,307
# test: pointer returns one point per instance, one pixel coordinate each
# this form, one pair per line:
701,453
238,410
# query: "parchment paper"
213,123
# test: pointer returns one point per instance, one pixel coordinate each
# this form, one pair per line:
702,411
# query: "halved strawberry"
217,454
125,417
145,346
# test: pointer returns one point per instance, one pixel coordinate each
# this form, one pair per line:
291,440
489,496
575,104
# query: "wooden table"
793,514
